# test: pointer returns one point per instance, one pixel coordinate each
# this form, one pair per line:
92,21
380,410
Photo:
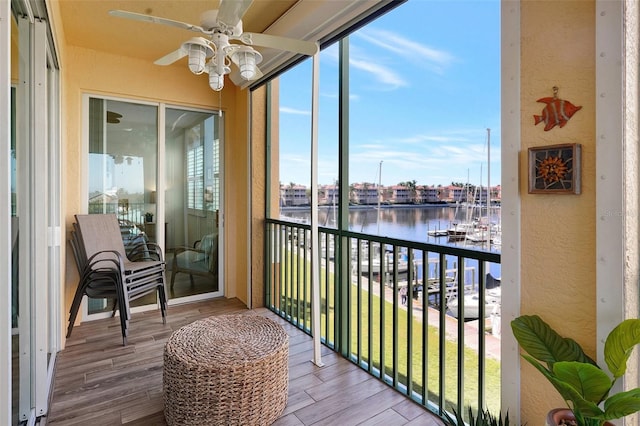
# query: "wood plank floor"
100,382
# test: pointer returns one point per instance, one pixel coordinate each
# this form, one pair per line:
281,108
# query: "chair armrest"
145,251
182,249
105,260
185,251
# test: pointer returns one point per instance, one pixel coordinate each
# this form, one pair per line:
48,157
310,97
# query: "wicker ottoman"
226,370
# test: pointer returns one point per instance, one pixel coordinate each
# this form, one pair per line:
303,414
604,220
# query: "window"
195,177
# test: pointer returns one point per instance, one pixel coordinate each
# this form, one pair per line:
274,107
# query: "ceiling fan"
215,53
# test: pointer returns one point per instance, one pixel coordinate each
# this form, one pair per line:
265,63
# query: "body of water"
413,224
405,223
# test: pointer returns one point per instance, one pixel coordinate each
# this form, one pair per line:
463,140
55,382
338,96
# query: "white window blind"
195,177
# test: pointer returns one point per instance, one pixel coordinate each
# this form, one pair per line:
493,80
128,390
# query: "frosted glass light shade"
197,58
198,51
216,81
246,59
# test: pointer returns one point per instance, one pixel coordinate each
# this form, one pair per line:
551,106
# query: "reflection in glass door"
21,272
192,202
123,152
15,283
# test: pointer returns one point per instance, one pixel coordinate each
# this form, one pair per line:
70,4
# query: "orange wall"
87,71
236,200
558,275
258,191
261,102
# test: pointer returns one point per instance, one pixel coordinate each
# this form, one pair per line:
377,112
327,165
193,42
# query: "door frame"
160,189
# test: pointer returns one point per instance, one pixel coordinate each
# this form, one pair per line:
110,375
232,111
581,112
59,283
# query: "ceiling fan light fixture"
198,51
216,81
216,74
246,59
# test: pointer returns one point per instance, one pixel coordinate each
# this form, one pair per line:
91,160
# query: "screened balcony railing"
390,306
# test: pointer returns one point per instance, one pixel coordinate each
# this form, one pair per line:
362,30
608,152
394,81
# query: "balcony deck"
100,382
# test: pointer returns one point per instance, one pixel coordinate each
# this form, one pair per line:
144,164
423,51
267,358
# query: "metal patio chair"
201,259
137,272
95,283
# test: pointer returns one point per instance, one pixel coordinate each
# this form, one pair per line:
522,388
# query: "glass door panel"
123,152
15,291
192,202
21,269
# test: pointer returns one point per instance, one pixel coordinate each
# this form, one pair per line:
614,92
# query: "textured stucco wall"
236,202
558,277
260,102
258,186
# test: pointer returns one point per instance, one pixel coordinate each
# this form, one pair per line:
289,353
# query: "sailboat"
459,231
484,232
492,301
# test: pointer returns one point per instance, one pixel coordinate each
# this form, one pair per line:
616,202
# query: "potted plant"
579,380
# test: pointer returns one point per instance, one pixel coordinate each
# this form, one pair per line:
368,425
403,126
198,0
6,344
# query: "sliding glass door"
158,169
35,217
122,165
192,201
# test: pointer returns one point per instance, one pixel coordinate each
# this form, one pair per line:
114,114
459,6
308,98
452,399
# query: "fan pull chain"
220,103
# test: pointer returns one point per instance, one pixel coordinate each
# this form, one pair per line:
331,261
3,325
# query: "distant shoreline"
382,206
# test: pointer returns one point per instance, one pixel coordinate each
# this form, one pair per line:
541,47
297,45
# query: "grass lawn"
416,346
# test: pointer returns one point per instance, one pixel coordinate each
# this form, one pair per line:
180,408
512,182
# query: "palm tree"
352,193
412,190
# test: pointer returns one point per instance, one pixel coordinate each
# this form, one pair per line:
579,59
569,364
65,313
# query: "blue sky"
424,89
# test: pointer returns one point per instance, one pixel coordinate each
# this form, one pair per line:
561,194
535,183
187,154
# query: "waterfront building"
328,195
365,193
295,195
428,194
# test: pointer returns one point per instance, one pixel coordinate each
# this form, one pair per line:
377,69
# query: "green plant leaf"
589,381
622,404
457,418
540,341
484,418
619,345
577,402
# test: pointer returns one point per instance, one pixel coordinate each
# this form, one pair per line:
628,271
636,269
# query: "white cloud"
352,96
384,75
426,158
416,139
433,58
295,159
288,110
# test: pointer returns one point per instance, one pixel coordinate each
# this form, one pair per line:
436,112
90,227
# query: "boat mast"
378,194
488,189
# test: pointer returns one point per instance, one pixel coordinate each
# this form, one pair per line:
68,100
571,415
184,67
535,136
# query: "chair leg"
162,296
75,305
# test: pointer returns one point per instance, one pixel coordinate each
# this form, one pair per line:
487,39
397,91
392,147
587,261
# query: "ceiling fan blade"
282,43
170,58
156,20
231,12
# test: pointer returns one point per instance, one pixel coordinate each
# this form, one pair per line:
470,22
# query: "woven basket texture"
226,370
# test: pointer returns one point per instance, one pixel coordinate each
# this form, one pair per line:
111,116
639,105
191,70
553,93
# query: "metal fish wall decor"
556,112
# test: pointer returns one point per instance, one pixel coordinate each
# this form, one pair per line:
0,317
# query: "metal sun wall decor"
557,112
555,169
